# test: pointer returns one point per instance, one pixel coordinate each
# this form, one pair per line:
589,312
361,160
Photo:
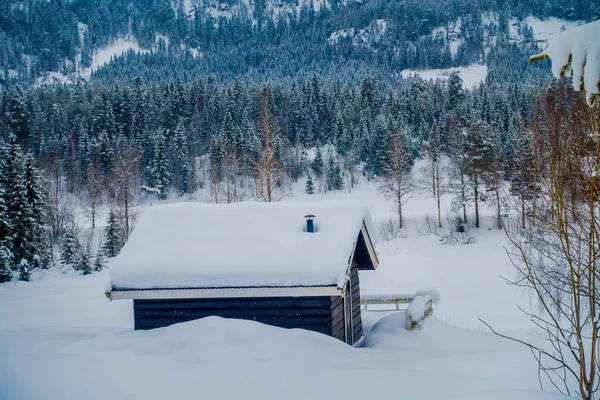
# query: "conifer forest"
241,100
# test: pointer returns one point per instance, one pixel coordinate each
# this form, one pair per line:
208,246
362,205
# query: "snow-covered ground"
60,338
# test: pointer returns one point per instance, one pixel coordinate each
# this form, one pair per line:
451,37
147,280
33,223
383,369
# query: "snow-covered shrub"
428,227
457,232
24,270
390,229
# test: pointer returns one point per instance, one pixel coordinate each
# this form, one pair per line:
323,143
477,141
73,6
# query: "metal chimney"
310,226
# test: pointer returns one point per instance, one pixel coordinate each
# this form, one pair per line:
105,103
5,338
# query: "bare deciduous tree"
435,169
92,203
395,181
560,259
267,164
126,183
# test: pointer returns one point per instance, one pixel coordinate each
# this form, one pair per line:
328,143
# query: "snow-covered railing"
418,306
395,300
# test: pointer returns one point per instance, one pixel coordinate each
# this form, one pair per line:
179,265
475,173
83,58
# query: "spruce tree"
160,166
112,236
5,241
310,186
70,248
23,222
84,263
36,198
330,173
99,261
338,180
180,157
5,265
317,164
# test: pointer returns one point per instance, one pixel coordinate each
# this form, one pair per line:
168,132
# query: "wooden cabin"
291,265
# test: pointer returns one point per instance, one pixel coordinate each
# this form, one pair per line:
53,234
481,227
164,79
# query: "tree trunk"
439,210
522,212
476,192
400,225
498,215
463,196
126,200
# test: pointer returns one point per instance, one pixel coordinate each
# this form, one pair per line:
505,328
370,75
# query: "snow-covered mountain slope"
373,33
472,75
227,9
543,30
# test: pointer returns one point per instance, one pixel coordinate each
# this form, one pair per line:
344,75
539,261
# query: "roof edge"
227,292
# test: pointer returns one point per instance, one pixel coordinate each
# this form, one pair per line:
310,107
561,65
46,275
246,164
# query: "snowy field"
61,339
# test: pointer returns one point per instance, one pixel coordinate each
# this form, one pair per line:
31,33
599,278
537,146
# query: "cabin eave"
212,293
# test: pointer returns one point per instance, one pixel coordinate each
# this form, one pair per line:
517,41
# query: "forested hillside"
271,39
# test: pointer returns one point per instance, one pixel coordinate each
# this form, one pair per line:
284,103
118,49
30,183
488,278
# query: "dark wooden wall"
337,318
357,330
312,313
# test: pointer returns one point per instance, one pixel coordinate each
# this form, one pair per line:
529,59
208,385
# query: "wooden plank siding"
357,330
361,254
313,313
337,318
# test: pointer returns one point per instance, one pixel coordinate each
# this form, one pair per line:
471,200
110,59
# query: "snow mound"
433,294
472,75
578,48
64,324
195,245
417,311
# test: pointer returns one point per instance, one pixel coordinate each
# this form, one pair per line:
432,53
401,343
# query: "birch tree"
395,181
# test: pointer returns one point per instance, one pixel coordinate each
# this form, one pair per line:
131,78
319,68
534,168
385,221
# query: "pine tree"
310,186
84,263
112,236
70,248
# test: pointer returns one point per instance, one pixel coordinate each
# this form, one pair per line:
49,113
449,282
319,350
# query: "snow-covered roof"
195,245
